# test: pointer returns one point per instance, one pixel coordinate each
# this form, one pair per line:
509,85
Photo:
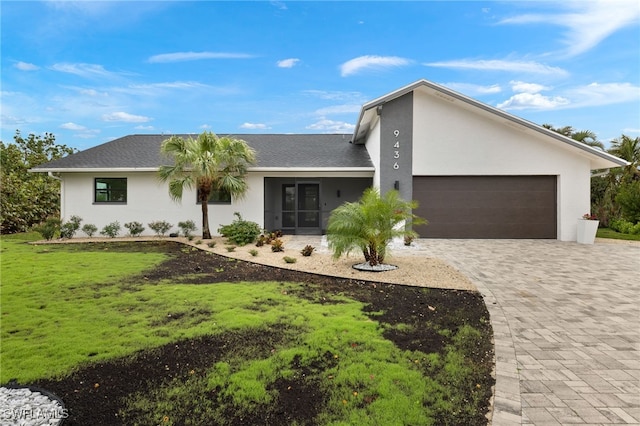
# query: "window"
110,190
217,196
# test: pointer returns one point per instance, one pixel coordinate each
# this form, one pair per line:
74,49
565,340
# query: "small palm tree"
370,224
628,149
207,163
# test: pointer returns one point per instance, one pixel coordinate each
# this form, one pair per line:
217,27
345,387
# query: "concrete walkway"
566,319
566,322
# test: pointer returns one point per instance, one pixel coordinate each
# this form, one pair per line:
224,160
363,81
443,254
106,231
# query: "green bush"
211,244
629,199
253,252
625,227
188,227
89,229
111,230
49,228
160,227
240,231
289,259
135,228
69,229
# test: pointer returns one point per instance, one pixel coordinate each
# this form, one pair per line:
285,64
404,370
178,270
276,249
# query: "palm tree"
370,224
586,137
628,149
207,163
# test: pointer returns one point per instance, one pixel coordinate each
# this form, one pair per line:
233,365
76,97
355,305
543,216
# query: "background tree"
27,198
370,224
207,163
587,137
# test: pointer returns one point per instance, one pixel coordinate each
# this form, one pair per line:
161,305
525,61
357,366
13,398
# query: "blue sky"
90,72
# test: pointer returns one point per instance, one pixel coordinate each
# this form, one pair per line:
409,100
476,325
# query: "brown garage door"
486,206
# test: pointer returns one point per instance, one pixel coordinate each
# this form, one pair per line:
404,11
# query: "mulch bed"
93,394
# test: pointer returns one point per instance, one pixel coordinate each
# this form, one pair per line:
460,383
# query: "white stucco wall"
373,148
148,200
451,138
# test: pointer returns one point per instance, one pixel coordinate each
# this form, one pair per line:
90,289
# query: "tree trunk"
373,256
204,198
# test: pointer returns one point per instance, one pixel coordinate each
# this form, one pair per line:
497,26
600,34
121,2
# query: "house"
477,172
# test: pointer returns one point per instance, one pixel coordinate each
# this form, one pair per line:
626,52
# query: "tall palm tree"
370,224
207,163
628,149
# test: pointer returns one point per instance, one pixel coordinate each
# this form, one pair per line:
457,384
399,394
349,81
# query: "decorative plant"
307,250
69,229
240,231
277,245
289,259
160,227
111,230
188,227
230,248
408,239
253,252
370,224
49,228
211,244
89,229
135,228
589,216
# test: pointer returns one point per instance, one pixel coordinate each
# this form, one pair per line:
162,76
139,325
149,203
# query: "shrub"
49,228
253,252
89,229
290,259
135,228
240,231
160,227
111,230
307,250
230,248
211,244
624,226
629,199
198,242
408,239
188,227
277,245
262,240
69,229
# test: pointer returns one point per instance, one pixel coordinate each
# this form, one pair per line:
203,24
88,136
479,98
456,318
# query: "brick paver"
566,320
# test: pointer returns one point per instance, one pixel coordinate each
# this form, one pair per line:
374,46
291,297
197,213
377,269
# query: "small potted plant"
587,229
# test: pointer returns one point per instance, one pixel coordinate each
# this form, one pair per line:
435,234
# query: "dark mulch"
94,394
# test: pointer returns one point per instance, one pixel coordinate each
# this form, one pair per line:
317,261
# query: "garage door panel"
486,206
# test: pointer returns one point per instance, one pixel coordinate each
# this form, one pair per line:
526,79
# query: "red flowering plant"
589,216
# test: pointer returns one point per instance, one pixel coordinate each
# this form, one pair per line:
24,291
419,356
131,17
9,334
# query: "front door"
301,207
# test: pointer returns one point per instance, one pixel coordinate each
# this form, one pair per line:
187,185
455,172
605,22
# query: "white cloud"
288,63
25,66
72,126
83,70
534,101
254,126
500,65
195,56
336,95
329,126
474,89
587,23
205,126
597,94
628,130
126,117
522,87
360,63
144,128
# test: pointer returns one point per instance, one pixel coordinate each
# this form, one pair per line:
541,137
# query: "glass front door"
301,206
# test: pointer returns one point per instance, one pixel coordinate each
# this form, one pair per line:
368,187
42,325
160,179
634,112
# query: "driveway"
566,319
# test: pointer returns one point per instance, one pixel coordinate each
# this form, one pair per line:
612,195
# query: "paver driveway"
566,319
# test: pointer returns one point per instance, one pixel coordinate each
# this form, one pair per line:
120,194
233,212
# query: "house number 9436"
396,152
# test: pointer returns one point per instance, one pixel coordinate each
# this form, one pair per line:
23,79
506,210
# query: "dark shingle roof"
303,150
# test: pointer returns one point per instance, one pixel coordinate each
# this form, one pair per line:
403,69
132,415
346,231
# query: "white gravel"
27,407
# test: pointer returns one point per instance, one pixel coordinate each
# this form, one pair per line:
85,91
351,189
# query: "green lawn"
64,307
610,233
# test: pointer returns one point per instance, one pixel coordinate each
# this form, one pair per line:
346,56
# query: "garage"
487,206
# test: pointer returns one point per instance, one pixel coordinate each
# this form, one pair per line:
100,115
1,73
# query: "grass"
63,308
610,233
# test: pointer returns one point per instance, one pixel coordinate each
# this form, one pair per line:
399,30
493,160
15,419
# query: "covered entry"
487,206
303,205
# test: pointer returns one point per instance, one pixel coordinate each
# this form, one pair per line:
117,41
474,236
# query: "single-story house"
476,171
